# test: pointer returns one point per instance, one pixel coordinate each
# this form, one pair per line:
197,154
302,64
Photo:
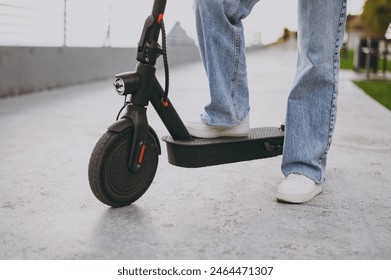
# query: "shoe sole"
299,198
217,133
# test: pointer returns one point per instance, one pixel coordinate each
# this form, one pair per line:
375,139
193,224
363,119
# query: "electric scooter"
125,159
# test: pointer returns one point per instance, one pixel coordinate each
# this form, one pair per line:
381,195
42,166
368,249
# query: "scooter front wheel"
111,180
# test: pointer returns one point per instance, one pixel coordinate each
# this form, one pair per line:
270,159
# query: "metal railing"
55,22
31,23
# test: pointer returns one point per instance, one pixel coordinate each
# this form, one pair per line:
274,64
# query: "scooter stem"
148,48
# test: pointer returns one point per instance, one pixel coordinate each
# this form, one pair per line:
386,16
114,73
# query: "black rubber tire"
110,178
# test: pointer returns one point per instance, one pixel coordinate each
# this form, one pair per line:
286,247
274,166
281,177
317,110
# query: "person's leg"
312,104
221,41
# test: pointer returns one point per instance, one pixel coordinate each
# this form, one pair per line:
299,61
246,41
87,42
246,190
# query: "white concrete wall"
30,69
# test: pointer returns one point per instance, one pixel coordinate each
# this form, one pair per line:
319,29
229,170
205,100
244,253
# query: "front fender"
120,125
125,123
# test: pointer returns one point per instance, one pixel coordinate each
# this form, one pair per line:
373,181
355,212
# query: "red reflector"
160,18
165,103
140,158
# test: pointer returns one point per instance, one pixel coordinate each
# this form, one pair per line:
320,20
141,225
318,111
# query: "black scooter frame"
183,150
145,88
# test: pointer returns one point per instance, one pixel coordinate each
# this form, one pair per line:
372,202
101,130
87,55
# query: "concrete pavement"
222,212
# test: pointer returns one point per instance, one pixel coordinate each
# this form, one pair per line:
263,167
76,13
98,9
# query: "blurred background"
50,43
117,23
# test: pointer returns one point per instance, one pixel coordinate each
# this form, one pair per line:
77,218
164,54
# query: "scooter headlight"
127,83
119,85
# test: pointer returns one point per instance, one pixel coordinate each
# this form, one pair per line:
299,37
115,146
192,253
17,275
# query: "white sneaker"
298,188
198,128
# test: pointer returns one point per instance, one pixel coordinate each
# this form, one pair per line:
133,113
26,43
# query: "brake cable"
165,61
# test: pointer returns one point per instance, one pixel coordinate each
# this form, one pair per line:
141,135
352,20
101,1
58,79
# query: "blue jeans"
311,111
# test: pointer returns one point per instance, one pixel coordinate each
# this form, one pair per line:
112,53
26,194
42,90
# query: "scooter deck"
261,142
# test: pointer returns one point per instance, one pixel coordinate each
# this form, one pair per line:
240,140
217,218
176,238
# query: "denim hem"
304,170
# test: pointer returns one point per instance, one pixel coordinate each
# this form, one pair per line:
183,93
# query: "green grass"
347,61
378,90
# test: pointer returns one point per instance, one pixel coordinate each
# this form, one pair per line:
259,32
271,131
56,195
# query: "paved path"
223,212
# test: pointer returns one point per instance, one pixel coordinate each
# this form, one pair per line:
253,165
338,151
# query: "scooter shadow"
123,233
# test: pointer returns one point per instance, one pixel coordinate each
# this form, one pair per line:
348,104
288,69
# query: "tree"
377,16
